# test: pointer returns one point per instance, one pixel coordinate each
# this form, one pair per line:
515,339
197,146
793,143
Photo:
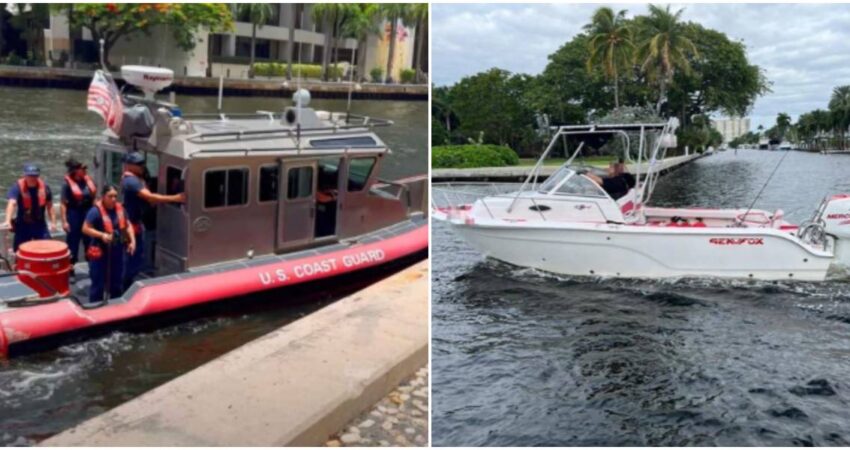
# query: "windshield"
556,179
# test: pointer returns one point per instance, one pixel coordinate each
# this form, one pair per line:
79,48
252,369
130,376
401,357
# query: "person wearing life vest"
78,194
32,199
135,195
112,237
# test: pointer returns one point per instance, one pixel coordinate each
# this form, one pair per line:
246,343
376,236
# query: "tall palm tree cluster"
342,21
826,129
651,48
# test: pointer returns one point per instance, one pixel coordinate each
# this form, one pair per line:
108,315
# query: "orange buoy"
50,262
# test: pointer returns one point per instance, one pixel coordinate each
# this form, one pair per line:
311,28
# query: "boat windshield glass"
556,179
579,185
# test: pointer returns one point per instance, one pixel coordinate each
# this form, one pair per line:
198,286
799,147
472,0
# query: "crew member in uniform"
111,238
78,194
135,195
32,199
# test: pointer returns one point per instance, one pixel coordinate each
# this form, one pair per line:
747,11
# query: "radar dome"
149,79
303,95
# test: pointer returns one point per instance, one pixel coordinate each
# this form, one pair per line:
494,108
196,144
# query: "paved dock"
80,79
520,173
298,385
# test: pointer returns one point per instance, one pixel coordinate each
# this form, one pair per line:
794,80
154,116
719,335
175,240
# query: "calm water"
42,394
522,357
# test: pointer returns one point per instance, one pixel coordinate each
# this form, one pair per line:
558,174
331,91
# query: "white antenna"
350,88
220,89
102,63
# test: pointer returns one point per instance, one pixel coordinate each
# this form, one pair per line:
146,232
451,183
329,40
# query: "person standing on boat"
78,194
32,199
112,236
136,194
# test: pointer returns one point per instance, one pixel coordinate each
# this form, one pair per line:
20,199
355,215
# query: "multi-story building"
228,54
732,127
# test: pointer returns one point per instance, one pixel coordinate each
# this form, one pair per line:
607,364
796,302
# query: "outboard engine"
833,217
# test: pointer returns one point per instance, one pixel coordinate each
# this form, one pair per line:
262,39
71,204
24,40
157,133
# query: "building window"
268,183
359,170
300,183
217,44
225,188
243,48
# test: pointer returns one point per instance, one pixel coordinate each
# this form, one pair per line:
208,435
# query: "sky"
804,49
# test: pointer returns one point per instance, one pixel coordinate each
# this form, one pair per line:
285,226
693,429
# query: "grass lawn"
599,161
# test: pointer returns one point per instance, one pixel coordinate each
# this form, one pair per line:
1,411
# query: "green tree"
394,13
419,13
664,49
839,107
783,125
493,103
258,14
721,78
113,21
363,23
333,17
611,46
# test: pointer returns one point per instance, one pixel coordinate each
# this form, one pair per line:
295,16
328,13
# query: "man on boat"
112,236
32,198
618,180
136,194
78,194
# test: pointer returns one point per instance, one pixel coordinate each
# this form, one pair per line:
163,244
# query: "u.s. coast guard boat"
273,199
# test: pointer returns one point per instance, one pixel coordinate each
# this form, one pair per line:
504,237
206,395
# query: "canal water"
42,394
522,357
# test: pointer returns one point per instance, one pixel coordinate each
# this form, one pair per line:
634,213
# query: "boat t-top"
272,199
569,225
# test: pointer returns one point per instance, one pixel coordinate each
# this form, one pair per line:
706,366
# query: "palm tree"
611,45
362,24
394,13
332,16
258,14
419,13
783,124
664,48
839,106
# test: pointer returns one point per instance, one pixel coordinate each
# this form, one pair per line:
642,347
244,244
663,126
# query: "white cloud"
803,48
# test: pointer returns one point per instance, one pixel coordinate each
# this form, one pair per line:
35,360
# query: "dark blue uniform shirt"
133,204
37,211
88,196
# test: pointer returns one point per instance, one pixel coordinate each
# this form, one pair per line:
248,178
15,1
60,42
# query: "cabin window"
268,183
359,170
225,188
354,141
300,183
173,181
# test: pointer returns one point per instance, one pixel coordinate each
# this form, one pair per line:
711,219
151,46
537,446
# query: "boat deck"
12,290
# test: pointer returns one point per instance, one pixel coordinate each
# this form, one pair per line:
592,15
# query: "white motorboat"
570,225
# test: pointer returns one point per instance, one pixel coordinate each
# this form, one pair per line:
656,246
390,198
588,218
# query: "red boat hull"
24,324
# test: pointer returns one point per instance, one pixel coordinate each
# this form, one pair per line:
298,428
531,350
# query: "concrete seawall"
295,386
520,173
80,79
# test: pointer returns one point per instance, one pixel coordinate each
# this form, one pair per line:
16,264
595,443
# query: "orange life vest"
26,198
75,188
107,222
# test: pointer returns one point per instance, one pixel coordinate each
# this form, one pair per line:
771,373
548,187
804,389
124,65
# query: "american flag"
105,100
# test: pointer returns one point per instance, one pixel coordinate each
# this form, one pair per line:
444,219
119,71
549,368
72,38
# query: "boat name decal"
736,241
838,216
328,265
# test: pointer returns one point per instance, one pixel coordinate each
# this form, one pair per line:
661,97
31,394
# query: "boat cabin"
257,184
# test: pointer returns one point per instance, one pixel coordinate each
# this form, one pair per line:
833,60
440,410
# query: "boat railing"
454,201
352,122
